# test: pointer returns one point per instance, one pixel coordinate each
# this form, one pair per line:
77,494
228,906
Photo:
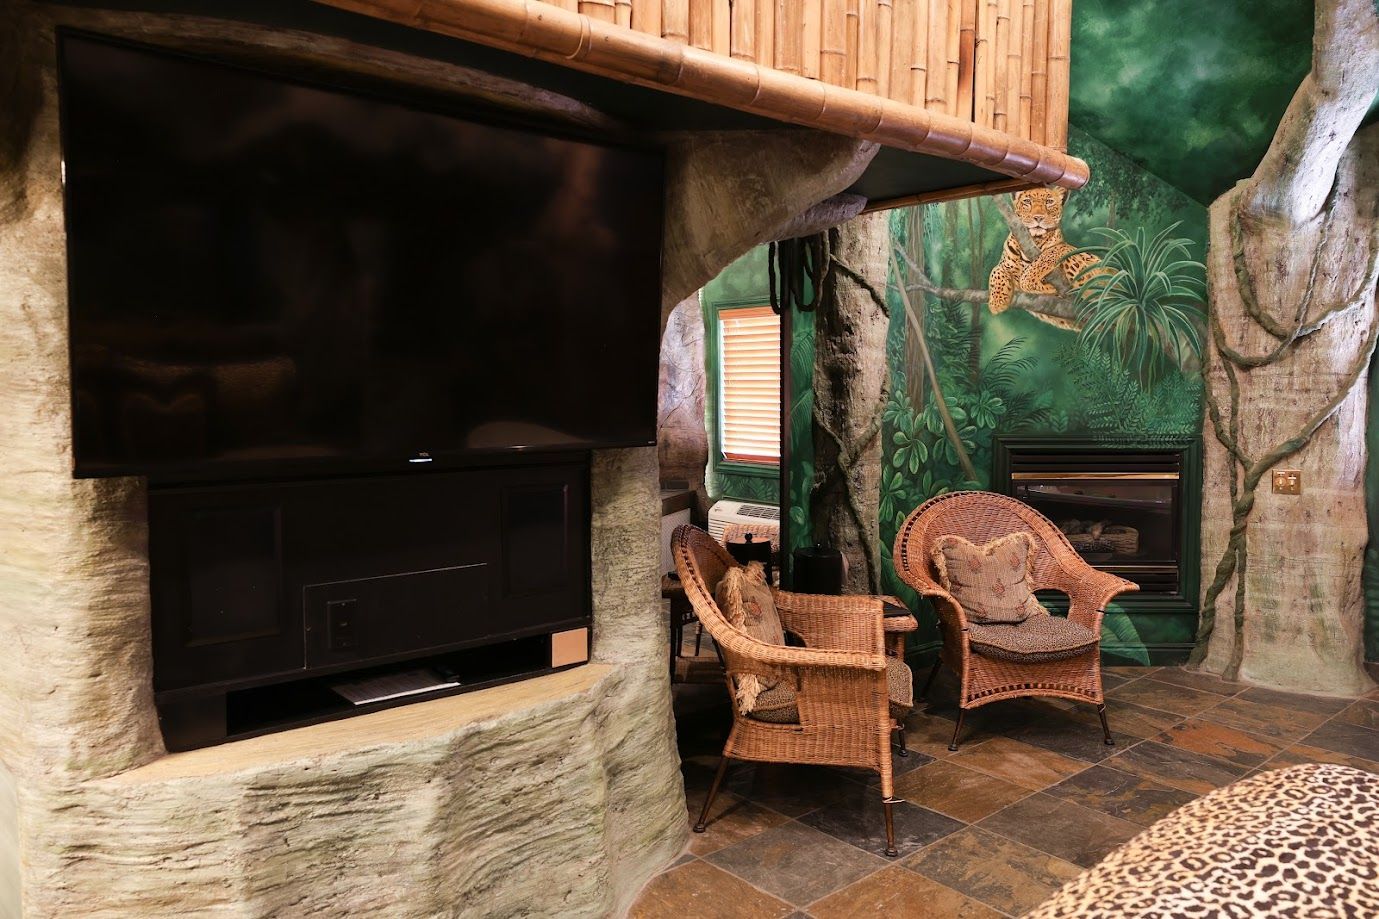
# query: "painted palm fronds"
1143,301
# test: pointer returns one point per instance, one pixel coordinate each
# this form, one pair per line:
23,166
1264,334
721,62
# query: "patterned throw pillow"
992,582
748,604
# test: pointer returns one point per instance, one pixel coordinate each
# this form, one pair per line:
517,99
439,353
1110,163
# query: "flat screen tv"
268,273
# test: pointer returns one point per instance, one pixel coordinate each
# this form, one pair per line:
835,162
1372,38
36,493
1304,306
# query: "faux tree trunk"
1292,274
850,386
682,443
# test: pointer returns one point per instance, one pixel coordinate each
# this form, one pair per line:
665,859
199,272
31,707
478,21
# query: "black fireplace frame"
1186,600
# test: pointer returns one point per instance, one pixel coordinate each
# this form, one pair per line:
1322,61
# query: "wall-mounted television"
271,274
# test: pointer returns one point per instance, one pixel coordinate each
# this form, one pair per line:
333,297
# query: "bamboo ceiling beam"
560,36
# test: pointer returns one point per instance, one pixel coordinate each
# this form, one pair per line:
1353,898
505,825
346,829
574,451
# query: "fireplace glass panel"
1124,522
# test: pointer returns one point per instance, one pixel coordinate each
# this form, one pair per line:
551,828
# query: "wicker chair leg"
713,793
891,851
957,729
923,693
1105,728
900,748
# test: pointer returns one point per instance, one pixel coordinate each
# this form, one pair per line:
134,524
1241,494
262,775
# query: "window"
749,385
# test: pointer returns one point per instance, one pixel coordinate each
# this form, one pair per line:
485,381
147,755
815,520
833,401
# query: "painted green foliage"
1014,373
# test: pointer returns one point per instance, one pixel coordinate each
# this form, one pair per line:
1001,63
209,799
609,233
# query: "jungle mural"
1036,315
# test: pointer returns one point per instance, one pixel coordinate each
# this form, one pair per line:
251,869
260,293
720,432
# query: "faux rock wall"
557,796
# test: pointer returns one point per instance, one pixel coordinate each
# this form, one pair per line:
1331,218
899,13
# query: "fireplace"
1130,507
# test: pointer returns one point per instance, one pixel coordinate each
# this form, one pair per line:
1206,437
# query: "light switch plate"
1287,481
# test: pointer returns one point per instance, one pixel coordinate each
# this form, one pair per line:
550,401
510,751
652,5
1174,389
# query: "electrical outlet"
1287,481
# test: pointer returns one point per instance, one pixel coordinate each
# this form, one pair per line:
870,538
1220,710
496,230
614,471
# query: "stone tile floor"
1032,798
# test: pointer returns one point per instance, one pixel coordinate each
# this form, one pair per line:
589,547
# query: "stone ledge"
419,723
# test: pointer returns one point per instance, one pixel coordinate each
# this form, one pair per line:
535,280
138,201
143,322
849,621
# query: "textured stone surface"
682,441
558,796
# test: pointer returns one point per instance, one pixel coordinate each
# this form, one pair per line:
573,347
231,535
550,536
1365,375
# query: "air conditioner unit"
728,513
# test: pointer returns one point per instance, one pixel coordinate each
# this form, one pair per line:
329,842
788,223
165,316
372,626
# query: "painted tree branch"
1059,310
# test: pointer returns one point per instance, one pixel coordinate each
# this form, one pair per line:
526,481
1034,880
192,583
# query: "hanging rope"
800,271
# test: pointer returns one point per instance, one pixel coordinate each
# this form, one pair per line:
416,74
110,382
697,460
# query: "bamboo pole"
701,24
967,52
983,88
1039,74
675,21
790,37
811,35
1060,41
571,5
1026,67
765,32
1012,67
902,49
834,42
622,13
722,27
953,58
545,32
868,56
920,60
1000,109
936,69
885,16
852,65
742,34
602,10
646,16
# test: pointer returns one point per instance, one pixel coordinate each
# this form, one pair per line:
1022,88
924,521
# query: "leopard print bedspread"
1300,842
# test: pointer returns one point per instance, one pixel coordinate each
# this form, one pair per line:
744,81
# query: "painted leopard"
1041,211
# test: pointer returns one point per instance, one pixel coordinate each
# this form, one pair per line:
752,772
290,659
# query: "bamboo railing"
982,81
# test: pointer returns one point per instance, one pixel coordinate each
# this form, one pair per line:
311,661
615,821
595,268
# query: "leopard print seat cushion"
1300,842
1039,639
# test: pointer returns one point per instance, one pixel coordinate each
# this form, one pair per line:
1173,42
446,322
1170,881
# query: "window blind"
749,407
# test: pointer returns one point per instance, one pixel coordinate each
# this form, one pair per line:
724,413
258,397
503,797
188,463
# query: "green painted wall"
1191,90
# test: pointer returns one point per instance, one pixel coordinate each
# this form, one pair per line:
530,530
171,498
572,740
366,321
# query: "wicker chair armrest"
844,623
740,646
893,625
1090,591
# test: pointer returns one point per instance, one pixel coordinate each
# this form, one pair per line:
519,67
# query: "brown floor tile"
1364,714
797,863
1131,672
899,893
1220,741
1341,737
731,820
930,734
1019,763
1000,872
1165,697
1128,722
953,789
1264,720
1061,828
859,819
1300,754
1175,767
699,889
1196,679
1079,738
1297,701
789,789
1120,794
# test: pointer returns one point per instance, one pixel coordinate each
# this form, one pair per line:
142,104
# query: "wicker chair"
981,517
845,718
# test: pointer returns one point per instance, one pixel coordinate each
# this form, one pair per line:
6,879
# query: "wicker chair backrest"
980,517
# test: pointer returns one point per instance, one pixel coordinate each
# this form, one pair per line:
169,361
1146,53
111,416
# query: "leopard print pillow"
992,582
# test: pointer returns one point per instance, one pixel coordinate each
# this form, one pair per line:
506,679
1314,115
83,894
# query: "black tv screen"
264,272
